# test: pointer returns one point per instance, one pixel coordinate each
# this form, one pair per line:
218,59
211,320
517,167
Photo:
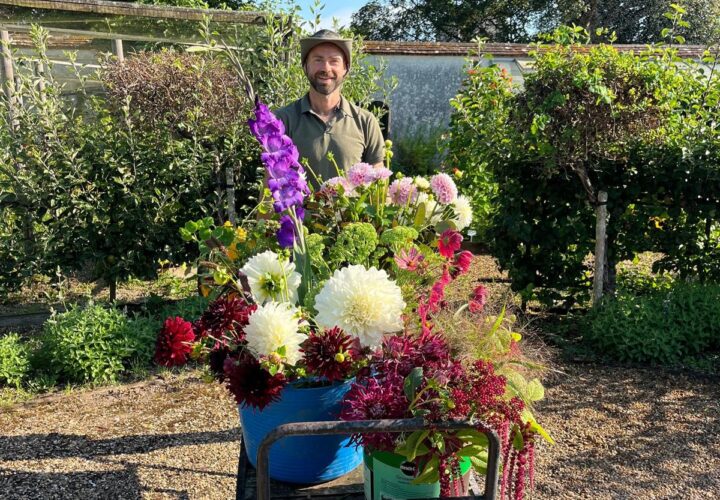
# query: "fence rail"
141,10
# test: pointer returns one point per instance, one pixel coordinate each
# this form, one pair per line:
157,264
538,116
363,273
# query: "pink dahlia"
402,191
361,174
444,188
174,343
331,185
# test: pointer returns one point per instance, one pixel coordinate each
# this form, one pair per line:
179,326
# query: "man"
323,120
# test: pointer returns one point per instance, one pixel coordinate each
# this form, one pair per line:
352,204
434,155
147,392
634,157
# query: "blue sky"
342,9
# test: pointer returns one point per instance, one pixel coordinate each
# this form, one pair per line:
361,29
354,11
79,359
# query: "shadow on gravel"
53,445
70,485
623,431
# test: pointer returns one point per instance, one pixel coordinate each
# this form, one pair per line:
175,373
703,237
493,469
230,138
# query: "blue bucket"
307,459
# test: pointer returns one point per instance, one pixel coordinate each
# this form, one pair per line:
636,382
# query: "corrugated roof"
496,49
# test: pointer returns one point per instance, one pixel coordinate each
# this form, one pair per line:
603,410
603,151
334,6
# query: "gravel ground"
621,433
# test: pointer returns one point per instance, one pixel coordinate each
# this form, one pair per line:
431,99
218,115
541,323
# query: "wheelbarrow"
258,482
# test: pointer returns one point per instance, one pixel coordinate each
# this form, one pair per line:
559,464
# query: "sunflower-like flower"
363,302
272,279
329,354
272,329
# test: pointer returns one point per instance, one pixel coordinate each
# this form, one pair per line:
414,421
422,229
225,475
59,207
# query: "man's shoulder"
361,113
289,109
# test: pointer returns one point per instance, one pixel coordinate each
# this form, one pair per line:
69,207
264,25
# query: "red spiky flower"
225,319
329,354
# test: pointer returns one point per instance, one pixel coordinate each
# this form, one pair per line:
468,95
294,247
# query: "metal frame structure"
365,426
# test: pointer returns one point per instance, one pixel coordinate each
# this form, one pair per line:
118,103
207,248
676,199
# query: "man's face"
325,68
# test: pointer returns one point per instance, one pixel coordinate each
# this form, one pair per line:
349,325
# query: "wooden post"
600,240
117,49
8,74
230,193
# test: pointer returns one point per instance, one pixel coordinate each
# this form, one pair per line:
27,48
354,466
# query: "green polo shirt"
353,135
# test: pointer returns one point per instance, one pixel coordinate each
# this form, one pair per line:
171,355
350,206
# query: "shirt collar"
343,106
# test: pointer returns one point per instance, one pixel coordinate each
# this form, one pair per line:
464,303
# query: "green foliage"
14,360
664,326
92,344
641,127
419,152
445,20
93,187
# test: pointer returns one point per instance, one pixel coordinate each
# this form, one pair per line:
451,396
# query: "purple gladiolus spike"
286,233
286,177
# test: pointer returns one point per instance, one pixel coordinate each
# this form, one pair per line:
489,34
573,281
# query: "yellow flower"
240,235
232,251
227,224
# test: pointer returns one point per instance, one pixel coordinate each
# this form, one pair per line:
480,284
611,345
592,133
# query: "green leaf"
475,438
430,472
412,382
413,445
534,391
419,217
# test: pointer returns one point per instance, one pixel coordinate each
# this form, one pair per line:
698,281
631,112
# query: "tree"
633,21
446,20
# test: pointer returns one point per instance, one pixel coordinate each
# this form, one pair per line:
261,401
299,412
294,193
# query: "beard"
325,87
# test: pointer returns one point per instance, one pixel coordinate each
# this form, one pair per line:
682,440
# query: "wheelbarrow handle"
368,426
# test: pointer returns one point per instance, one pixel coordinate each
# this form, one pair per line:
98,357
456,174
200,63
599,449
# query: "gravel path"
621,433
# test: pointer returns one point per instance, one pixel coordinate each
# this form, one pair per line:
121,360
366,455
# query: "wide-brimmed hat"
326,36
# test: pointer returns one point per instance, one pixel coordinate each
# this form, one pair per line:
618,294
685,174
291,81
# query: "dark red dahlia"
449,243
329,354
376,400
250,383
225,319
216,360
174,342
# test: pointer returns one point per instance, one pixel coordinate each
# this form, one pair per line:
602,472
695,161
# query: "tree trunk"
113,289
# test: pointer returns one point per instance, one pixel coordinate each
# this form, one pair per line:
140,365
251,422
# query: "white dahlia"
363,302
422,183
273,326
433,211
271,278
463,212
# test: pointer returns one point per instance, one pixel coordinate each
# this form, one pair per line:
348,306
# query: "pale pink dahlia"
444,188
361,174
402,190
347,186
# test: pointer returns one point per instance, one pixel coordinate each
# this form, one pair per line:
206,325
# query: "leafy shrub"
590,119
637,283
14,360
419,152
90,344
660,327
